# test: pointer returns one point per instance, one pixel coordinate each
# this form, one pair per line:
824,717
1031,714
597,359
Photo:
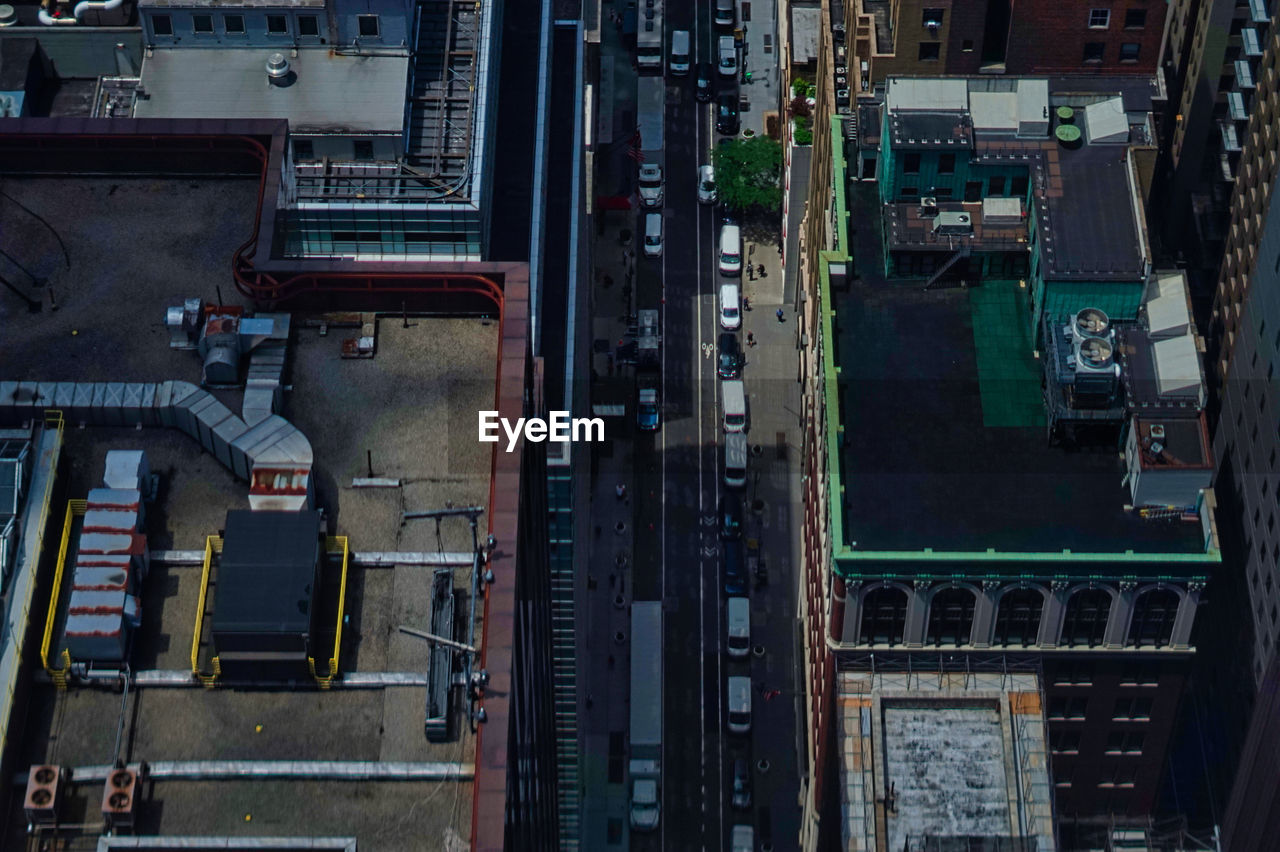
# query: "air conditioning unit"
44,794
928,206
120,798
953,224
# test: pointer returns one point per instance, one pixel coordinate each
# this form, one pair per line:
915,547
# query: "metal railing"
75,508
334,545
212,546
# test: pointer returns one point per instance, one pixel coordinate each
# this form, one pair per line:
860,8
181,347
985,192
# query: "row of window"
1084,625
1129,709
1099,19
1094,51
233,24
972,190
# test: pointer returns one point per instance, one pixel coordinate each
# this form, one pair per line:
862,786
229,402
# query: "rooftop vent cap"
277,69
8,17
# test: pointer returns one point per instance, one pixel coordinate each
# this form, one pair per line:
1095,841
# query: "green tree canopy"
748,173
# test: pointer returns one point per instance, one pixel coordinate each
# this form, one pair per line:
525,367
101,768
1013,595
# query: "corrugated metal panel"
82,402
110,521
97,399
103,579
126,469
115,498
1177,366
224,433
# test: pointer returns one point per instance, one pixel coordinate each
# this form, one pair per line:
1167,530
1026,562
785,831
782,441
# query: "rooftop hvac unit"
278,70
1157,431
1092,322
928,206
1094,363
953,224
44,794
120,798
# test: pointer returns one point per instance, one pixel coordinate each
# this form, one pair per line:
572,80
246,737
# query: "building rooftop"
1085,197
328,91
119,275
944,432
806,22
965,756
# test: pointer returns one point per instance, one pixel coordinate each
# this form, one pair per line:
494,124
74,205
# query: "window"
1061,707
1018,186
233,24
911,164
930,50
202,23
162,25
1140,674
364,149
950,617
967,45
304,149
973,191
941,192
1125,742
911,193
1065,742
277,25
1093,51
1154,612
1132,709
1099,19
996,185
1085,621
1135,19
884,616
931,17
1073,673
946,164
308,25
368,25
1018,617
1129,51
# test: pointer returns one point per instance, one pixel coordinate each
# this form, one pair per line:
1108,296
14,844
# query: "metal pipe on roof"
311,770
366,559
80,10
207,844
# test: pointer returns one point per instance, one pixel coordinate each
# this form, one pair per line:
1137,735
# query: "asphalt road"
678,479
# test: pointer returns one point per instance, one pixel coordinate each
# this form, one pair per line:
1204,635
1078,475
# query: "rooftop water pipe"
77,13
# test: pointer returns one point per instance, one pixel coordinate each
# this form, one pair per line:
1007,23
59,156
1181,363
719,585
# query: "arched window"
1018,617
884,616
1154,612
1085,623
950,617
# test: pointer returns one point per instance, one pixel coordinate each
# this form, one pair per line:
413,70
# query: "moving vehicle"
743,839
731,252
727,52
706,184
741,785
730,516
679,60
729,364
651,110
646,713
739,689
649,37
738,620
735,572
704,84
735,460
733,398
653,235
727,113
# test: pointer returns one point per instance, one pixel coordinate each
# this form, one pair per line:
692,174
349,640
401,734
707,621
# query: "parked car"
729,365
741,785
728,55
730,516
706,184
704,82
653,235
649,407
727,114
735,572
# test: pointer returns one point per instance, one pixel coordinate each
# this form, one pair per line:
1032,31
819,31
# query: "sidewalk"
760,57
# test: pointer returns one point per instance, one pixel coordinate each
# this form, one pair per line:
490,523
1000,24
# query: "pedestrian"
760,271
781,316
746,303
621,491
751,339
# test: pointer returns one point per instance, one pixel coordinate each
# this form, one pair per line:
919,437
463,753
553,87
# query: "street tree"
749,173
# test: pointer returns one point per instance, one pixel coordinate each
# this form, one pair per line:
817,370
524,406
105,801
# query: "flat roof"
336,93
805,24
121,270
945,444
1091,224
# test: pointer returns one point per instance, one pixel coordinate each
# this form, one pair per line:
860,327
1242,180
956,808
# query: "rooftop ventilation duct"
77,13
278,70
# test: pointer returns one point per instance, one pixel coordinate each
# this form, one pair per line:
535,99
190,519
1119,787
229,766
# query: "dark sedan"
727,113
729,364
704,82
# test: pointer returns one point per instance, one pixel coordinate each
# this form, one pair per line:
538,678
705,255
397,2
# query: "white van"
743,839
679,61
738,619
726,14
730,250
735,460
733,397
728,53
653,235
730,307
739,705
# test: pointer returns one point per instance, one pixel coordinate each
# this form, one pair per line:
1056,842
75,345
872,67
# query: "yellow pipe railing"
75,508
212,545
335,544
